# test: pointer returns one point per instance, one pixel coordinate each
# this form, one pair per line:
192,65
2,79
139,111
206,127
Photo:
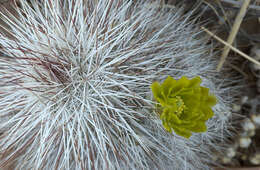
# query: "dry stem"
233,33
231,47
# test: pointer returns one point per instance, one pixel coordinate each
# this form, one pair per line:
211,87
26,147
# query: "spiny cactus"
75,83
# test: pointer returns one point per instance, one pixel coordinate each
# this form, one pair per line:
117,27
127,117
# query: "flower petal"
170,117
211,100
182,132
207,112
195,82
180,84
157,93
167,86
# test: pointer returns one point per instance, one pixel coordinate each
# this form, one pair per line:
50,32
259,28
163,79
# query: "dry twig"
231,47
233,32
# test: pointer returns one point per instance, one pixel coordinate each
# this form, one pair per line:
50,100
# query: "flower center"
180,106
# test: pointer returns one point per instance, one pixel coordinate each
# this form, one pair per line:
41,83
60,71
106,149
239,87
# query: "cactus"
75,79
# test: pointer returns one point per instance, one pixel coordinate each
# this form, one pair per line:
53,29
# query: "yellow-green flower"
185,106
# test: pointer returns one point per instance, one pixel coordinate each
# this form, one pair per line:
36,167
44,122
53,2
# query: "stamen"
180,105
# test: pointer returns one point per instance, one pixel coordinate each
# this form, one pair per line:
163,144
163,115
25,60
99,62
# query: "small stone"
251,133
244,142
248,125
226,160
231,152
255,159
244,99
236,108
256,119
